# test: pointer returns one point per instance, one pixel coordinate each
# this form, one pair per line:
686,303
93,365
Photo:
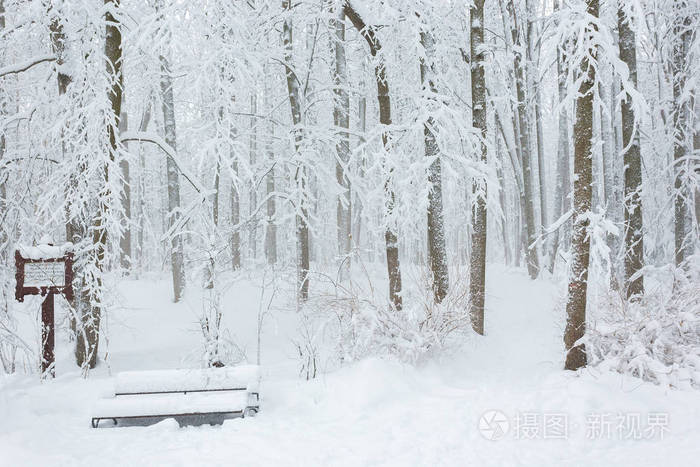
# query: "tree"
562,198
341,119
477,268
88,339
437,254
682,133
125,240
522,130
634,239
177,261
384,100
302,213
583,173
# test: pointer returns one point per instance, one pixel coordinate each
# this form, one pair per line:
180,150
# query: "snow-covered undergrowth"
350,322
657,337
371,411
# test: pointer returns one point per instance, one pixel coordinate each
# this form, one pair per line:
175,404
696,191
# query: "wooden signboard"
45,270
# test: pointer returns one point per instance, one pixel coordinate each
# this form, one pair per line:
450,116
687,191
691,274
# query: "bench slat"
171,404
172,381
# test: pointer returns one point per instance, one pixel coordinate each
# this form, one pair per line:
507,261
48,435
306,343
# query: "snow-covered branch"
25,65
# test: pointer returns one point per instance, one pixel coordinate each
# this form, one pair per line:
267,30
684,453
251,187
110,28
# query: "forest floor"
373,412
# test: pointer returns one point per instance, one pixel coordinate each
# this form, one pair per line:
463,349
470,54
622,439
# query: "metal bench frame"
95,422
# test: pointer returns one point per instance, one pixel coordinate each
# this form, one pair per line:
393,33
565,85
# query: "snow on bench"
181,393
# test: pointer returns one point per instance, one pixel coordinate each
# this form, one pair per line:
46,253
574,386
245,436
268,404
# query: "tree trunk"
302,216
125,257
682,33
176,246
563,186
74,230
583,174
235,213
634,239
270,205
341,119
253,196
524,138
384,100
271,228
477,267
4,235
437,254
143,127
88,340
362,116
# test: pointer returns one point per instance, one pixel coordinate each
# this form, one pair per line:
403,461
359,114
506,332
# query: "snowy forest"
359,197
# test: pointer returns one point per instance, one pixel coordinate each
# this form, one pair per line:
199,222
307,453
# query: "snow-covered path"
375,412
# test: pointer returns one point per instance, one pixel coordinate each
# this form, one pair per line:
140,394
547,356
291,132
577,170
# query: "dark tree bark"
302,216
634,239
143,126
477,267
384,100
75,230
583,173
437,254
87,341
524,140
125,257
176,244
271,204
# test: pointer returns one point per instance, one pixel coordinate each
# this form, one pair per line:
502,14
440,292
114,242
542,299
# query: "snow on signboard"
42,274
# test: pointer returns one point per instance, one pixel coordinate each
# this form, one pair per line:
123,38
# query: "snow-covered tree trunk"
477,266
609,166
88,337
357,205
74,230
271,208
524,141
633,230
176,246
583,172
143,127
235,201
384,100
253,194
562,195
682,145
125,257
437,254
4,235
302,215
341,120
271,203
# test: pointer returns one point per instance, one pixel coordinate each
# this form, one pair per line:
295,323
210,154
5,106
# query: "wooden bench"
186,395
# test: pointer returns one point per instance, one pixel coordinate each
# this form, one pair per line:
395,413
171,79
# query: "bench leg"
95,422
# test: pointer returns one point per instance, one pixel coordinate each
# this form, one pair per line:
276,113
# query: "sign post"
45,270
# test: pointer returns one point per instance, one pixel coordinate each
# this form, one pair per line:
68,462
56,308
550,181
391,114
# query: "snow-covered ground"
373,412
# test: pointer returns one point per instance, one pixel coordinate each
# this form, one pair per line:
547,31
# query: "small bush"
655,337
352,324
